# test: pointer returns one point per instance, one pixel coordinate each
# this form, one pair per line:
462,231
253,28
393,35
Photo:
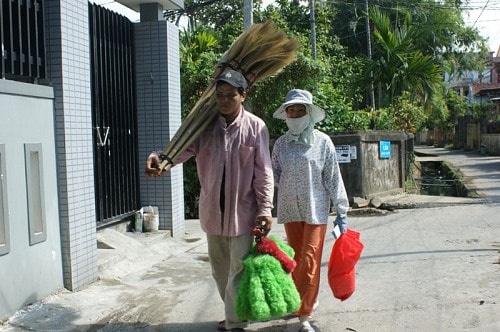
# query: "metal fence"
22,39
113,115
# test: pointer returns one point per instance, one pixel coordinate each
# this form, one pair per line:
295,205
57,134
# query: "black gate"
113,115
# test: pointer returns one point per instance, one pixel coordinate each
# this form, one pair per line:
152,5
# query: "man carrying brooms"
231,147
236,179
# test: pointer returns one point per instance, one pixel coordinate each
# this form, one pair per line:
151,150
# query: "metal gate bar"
22,40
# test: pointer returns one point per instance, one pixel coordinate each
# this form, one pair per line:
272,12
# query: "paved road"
422,269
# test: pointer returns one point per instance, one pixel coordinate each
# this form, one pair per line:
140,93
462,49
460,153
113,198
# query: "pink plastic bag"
346,252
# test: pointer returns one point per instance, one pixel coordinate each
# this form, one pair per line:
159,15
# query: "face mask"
297,125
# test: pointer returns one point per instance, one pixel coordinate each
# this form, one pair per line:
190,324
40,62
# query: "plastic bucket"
150,219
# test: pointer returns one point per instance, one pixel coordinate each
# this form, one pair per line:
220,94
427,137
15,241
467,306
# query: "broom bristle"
259,52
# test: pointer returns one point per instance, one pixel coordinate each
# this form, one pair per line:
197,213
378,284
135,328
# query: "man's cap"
235,78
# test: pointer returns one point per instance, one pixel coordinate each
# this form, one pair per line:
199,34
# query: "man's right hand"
152,168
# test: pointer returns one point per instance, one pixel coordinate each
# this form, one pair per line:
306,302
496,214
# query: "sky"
485,16
481,14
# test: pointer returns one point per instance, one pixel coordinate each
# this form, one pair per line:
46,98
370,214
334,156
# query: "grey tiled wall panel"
159,116
69,69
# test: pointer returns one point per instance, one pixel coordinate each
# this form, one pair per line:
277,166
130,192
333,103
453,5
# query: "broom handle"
186,140
192,116
185,143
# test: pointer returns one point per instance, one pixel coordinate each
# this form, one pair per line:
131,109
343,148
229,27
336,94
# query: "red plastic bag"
341,267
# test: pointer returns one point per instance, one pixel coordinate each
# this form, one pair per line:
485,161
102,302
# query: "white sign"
343,154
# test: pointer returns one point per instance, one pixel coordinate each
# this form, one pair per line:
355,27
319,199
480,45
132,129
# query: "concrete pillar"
151,12
68,66
159,116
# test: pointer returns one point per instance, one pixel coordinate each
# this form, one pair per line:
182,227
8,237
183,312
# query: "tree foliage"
398,65
443,31
425,33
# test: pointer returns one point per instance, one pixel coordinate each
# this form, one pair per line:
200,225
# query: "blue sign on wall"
385,149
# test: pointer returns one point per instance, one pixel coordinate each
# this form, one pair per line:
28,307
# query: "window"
35,190
23,41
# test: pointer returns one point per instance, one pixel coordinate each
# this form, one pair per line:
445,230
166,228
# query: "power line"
486,4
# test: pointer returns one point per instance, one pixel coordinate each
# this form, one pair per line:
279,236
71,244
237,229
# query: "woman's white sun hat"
297,96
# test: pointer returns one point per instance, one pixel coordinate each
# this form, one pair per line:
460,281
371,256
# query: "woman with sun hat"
309,185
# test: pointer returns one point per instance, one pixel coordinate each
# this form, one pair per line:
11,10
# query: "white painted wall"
28,273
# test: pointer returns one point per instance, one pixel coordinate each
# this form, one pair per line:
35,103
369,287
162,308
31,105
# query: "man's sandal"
221,326
307,329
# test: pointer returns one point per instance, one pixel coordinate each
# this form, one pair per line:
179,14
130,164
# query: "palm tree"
397,65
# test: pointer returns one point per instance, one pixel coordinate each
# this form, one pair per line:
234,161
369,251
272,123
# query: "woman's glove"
341,221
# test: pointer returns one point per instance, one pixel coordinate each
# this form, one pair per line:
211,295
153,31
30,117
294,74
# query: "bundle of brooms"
261,51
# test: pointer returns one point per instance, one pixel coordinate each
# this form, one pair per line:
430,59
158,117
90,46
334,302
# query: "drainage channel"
435,178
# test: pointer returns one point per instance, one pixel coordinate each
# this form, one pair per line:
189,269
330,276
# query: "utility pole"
313,29
247,13
369,50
